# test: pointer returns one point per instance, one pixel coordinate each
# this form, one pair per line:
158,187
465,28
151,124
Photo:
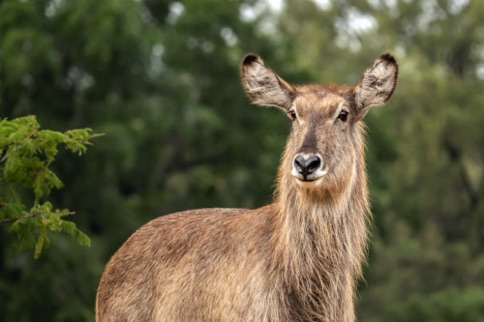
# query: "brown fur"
294,260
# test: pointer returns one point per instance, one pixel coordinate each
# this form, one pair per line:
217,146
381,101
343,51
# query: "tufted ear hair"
376,85
263,86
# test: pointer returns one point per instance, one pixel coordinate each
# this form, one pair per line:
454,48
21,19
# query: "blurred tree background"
160,79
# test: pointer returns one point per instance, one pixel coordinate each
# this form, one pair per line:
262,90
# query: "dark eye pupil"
292,114
343,116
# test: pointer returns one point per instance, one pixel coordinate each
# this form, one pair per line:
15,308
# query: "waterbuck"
296,259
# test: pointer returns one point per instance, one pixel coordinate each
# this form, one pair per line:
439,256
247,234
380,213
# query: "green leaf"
26,153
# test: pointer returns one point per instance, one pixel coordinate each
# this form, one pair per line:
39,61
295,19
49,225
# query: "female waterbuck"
296,259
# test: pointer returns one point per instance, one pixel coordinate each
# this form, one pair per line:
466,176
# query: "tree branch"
27,215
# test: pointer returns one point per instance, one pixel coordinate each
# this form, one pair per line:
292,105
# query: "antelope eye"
292,114
343,116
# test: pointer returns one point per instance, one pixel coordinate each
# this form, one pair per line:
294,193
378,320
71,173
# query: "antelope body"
296,259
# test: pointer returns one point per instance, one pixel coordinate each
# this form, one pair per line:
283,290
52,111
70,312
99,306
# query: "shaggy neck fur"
322,240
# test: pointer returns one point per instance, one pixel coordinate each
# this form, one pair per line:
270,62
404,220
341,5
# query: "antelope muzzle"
308,167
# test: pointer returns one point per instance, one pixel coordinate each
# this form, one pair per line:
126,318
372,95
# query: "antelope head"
326,139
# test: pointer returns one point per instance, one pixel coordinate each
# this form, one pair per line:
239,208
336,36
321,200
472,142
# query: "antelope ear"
377,84
263,86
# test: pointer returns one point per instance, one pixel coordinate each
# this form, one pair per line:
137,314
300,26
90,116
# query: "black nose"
307,165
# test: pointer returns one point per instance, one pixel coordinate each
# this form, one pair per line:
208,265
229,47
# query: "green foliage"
449,305
161,79
413,275
27,153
